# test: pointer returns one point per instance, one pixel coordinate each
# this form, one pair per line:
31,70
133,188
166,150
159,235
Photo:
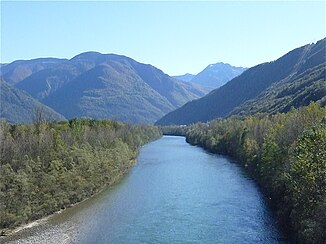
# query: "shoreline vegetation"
48,167
284,153
11,231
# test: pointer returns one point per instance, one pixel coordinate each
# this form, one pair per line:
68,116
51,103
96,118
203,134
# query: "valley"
163,122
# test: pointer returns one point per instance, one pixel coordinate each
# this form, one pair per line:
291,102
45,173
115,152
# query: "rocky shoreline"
42,232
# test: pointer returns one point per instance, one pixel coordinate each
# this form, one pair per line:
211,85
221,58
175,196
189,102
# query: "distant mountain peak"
219,64
213,76
293,80
222,64
216,75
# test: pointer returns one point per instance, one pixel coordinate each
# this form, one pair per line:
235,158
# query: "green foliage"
174,130
307,178
286,154
48,167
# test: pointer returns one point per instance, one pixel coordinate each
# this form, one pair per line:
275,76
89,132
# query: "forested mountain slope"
18,107
299,67
101,86
18,70
282,96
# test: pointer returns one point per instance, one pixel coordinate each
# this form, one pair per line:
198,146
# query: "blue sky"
177,37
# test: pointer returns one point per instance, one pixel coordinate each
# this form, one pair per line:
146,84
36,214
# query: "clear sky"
177,37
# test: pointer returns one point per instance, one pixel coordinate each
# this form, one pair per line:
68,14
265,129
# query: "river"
176,193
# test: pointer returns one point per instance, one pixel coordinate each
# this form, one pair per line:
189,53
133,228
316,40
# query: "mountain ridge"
220,102
98,85
214,75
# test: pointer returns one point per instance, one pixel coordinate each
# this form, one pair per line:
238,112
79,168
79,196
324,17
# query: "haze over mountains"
294,80
100,86
214,75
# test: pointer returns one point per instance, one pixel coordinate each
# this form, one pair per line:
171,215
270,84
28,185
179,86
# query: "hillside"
18,107
255,83
285,95
19,70
102,86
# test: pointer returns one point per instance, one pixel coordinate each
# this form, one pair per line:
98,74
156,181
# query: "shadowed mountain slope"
255,83
17,106
102,86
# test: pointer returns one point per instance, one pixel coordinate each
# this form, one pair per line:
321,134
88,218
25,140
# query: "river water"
177,193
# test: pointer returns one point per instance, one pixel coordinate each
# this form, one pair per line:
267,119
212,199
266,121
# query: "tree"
307,177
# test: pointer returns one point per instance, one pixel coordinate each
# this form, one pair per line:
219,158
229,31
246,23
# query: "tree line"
46,167
286,154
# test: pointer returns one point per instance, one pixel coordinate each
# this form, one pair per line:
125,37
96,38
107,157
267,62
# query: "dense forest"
46,167
286,154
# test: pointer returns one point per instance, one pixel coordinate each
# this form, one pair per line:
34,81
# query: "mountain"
295,79
45,82
213,76
216,75
186,77
19,70
283,95
17,106
102,86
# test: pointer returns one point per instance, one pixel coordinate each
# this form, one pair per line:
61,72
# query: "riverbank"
171,195
49,167
46,230
40,231
286,155
13,231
